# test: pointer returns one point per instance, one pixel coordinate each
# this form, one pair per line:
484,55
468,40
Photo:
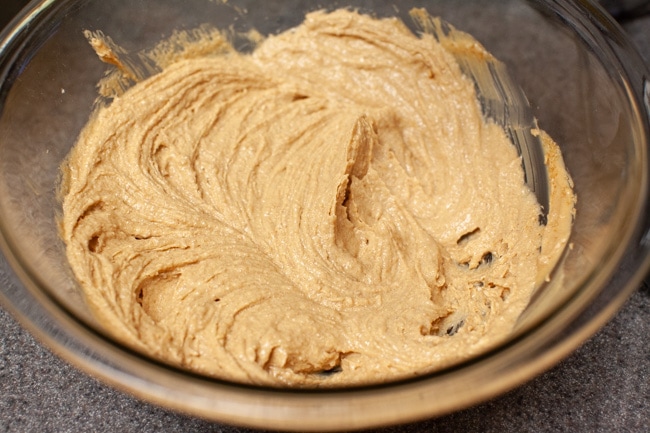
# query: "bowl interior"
576,93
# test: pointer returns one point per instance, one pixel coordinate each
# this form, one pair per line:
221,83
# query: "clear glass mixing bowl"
586,86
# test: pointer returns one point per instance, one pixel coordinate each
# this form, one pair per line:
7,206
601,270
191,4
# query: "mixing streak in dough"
330,209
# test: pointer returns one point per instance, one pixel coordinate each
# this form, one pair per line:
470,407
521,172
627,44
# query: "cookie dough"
330,209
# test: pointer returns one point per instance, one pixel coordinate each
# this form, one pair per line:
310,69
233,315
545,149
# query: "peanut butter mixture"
331,209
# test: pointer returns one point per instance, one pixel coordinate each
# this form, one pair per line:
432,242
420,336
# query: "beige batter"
330,209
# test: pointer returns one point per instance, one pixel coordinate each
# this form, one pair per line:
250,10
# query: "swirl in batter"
331,209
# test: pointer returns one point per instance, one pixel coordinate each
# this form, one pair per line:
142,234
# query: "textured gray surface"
603,386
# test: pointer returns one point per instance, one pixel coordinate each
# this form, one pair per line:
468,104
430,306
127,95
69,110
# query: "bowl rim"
585,311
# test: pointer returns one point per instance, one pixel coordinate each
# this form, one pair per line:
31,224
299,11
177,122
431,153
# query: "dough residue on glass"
330,209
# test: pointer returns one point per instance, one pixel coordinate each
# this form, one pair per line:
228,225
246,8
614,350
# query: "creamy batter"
331,209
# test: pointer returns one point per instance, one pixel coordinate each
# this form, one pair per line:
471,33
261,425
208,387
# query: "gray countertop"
603,386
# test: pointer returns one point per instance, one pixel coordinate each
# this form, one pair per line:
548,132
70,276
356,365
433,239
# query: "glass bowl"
586,86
